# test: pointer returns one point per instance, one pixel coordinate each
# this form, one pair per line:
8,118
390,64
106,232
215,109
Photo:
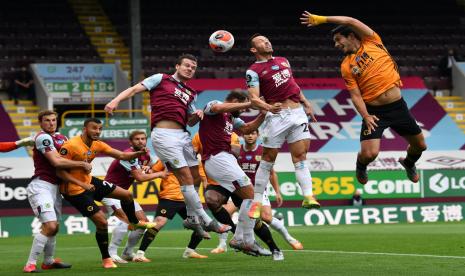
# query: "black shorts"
169,208
395,115
235,198
85,202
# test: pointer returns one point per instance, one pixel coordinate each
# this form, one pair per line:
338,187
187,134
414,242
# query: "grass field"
397,249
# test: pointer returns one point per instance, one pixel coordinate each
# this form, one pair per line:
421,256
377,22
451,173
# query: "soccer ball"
221,41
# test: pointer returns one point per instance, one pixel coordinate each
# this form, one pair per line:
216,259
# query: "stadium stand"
416,42
40,31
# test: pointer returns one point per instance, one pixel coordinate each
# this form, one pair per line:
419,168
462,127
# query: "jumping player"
372,78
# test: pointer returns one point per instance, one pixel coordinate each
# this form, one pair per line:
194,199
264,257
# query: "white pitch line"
287,250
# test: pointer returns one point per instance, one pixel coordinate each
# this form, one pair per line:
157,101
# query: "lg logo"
440,183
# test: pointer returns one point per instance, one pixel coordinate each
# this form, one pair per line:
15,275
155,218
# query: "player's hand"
146,169
279,199
310,20
199,113
89,187
309,111
87,167
370,121
111,106
276,108
163,174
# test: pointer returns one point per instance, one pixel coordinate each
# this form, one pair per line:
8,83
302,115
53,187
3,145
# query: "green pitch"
398,249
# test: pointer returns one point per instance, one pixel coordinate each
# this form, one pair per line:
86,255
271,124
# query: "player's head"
251,138
345,39
237,96
186,66
138,140
260,45
92,128
48,121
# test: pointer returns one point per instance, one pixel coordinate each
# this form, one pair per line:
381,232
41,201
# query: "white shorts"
223,167
45,200
113,204
174,148
290,125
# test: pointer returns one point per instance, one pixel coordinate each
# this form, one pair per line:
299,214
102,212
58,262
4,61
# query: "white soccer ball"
221,41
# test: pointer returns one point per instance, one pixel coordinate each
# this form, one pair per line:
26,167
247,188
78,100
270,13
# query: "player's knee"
422,146
50,229
127,196
369,155
213,202
100,222
160,221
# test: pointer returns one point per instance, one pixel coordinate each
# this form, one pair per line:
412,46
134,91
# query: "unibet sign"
445,183
9,193
342,185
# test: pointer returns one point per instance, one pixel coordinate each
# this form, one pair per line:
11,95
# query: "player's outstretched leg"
117,236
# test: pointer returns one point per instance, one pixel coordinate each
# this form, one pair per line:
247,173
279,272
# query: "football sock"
133,239
224,217
411,159
278,226
38,245
49,250
192,199
194,242
263,232
303,176
117,237
222,239
148,238
261,180
101,235
360,165
248,223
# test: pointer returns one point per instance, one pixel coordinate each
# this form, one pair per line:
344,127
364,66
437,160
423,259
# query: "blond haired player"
372,78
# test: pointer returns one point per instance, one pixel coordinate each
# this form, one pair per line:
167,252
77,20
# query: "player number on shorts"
305,125
106,183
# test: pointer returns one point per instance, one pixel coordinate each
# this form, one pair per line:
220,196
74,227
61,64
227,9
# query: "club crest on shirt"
248,157
275,67
258,158
60,142
285,64
355,70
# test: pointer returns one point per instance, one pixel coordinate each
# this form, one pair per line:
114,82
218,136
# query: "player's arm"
220,107
140,176
62,163
69,178
275,183
370,120
247,128
358,26
147,84
126,94
195,115
44,144
253,88
126,156
307,106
